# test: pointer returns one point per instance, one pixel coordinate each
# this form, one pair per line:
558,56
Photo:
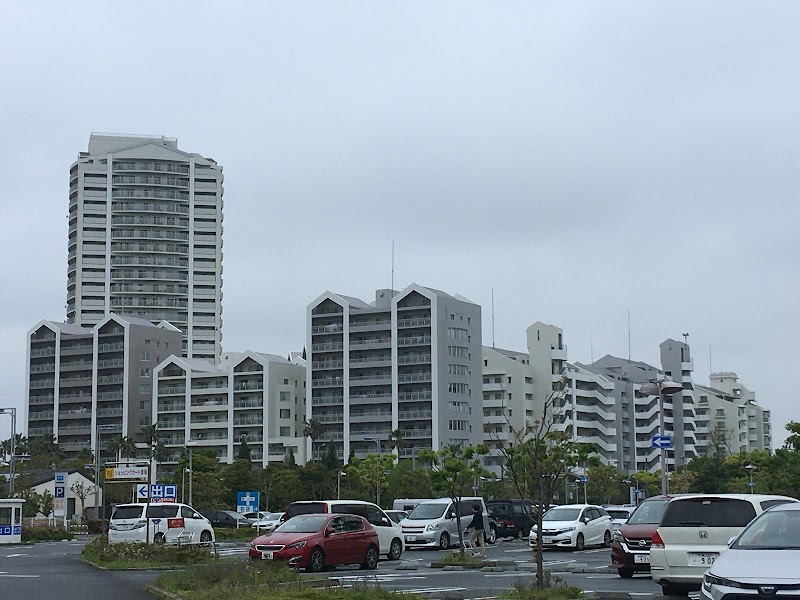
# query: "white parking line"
4,574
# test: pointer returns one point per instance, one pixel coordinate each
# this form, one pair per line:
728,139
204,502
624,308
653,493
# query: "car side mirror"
385,521
585,519
329,531
451,515
730,541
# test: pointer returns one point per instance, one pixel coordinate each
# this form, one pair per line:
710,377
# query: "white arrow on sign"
141,491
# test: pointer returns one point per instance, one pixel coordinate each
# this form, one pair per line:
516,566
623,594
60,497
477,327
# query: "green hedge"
44,533
121,556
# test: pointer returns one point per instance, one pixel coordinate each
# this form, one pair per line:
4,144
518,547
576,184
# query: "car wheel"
492,537
668,589
444,541
205,538
395,549
316,562
579,543
607,539
625,573
371,560
159,538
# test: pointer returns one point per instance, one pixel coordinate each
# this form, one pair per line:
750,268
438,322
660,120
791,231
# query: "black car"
226,518
514,518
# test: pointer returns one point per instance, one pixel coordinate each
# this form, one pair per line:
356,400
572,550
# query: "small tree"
82,491
289,458
46,503
244,451
454,470
33,502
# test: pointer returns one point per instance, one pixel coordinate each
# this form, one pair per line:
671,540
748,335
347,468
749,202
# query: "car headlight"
432,527
709,580
569,529
299,544
616,536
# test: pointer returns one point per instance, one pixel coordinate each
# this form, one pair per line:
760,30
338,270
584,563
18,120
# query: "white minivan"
170,523
389,533
433,523
695,530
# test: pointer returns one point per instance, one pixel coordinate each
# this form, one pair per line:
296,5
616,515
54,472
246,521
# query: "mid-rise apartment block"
247,396
145,238
88,384
409,361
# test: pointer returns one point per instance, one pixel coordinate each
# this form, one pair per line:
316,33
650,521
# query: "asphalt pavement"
54,570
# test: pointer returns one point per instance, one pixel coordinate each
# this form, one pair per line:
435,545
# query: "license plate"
702,560
641,559
411,538
267,555
547,540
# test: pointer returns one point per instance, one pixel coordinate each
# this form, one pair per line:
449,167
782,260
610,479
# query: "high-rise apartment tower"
145,238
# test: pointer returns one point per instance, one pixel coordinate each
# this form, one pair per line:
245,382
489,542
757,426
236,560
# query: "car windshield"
302,524
618,513
427,511
772,530
127,512
649,512
271,516
562,514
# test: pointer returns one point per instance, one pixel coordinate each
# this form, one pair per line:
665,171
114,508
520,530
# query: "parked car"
169,523
268,521
619,515
389,533
396,515
630,544
256,516
407,504
314,541
433,523
226,518
514,518
764,558
574,526
695,530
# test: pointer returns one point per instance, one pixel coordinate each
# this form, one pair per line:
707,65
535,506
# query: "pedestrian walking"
477,537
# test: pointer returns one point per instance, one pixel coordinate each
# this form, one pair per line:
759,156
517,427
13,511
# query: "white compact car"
619,515
574,526
695,530
433,523
267,521
170,523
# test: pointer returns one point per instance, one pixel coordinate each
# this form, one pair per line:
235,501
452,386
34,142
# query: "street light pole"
13,412
750,468
662,388
339,484
98,429
189,445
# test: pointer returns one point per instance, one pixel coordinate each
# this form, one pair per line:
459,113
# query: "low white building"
79,493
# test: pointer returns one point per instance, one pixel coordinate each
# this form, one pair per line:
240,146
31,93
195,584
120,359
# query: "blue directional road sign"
584,479
246,502
160,492
661,441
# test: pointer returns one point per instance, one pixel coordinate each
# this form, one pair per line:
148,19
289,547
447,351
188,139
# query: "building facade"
145,238
88,384
408,362
248,396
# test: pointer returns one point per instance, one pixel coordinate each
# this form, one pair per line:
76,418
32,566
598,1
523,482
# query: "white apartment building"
85,385
409,361
252,396
508,400
145,238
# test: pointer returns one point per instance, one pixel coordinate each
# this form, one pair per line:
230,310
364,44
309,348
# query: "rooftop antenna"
629,335
492,317
685,338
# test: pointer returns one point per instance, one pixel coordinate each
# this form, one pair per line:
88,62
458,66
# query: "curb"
158,568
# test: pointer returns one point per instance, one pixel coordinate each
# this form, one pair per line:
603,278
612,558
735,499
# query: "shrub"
239,575
101,552
554,589
44,533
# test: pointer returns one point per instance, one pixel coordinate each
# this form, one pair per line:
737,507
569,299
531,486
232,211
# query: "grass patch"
222,534
141,556
455,558
554,589
45,533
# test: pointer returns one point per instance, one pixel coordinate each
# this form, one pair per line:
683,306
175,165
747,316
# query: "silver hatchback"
763,562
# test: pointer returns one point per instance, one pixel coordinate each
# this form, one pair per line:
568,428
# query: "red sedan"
319,540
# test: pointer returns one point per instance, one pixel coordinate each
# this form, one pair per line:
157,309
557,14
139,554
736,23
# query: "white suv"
574,526
695,530
171,523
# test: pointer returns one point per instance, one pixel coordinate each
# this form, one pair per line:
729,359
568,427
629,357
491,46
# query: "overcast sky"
581,158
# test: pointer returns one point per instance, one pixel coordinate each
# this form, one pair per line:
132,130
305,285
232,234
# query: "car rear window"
618,513
499,510
305,508
648,512
127,512
708,512
161,511
776,502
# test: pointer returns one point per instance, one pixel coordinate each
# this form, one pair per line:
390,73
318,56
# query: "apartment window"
144,421
529,380
457,333
285,413
458,370
285,382
462,407
285,431
509,380
285,396
144,356
144,388
528,396
144,372
457,425
485,363
458,351
147,342
458,388
158,344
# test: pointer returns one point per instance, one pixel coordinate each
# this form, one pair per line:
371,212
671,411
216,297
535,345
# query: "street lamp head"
751,467
663,387
192,443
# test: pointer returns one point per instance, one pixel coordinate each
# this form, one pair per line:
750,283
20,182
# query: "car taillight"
178,523
657,541
507,523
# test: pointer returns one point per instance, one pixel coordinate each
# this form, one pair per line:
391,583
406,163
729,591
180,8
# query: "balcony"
414,359
330,328
414,378
424,322
367,325
326,400
327,382
328,364
414,396
372,342
361,417
327,347
414,415
419,340
172,407
172,391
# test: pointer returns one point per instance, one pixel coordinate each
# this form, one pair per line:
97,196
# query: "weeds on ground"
554,588
121,556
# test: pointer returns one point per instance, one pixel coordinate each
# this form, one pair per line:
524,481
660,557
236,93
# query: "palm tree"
312,430
122,446
396,439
